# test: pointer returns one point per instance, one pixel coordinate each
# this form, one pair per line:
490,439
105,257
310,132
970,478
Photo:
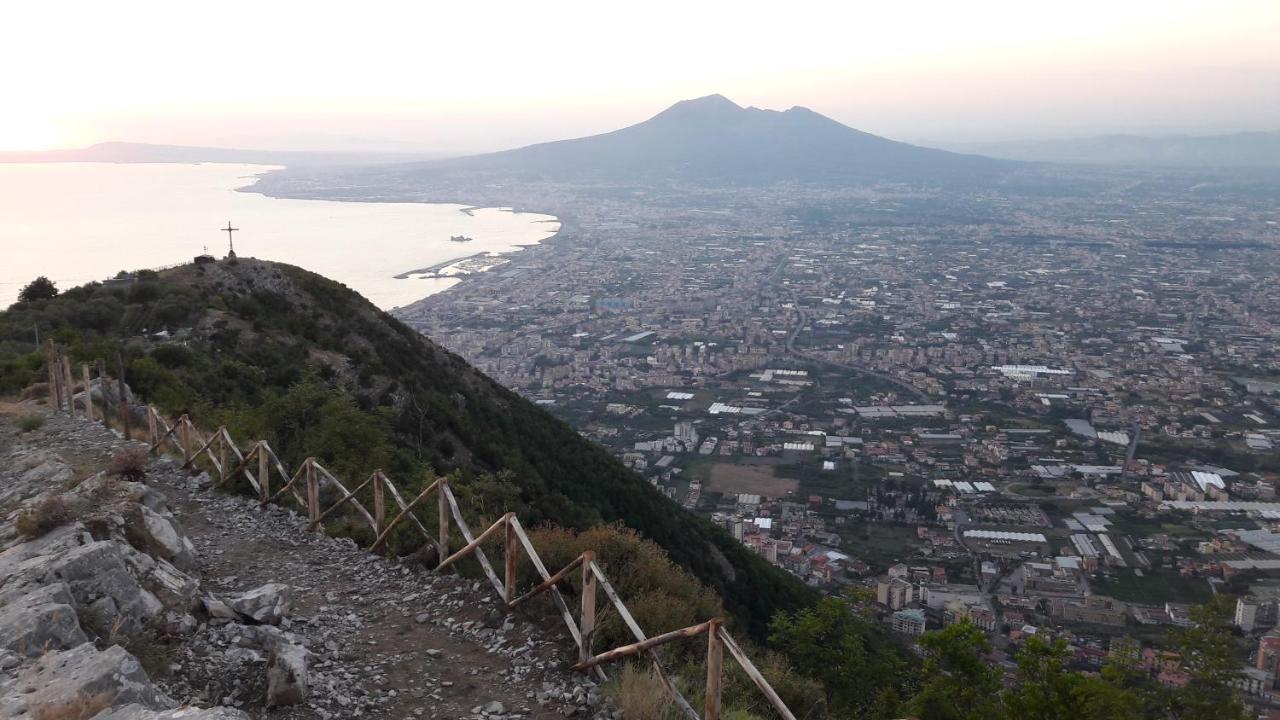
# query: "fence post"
588,621
715,657
55,394
125,420
69,385
184,438
264,475
153,429
222,456
512,552
379,503
106,396
88,392
442,491
313,495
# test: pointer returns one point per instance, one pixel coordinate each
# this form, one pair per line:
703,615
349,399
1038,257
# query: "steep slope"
274,351
711,139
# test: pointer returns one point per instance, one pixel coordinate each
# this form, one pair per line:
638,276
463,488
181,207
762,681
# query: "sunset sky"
470,76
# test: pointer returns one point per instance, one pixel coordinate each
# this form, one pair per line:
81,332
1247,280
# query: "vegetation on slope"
274,351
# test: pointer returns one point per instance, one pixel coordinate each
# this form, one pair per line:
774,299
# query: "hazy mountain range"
1246,149
126,152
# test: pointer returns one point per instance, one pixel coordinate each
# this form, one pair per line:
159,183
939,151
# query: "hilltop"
274,351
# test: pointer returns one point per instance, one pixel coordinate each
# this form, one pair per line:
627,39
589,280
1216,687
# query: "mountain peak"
708,105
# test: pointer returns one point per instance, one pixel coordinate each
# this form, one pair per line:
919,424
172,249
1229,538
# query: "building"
896,593
1254,613
908,622
1268,652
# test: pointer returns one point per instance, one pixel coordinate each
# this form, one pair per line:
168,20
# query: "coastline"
449,269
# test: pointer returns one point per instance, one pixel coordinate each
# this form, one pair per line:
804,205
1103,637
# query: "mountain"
712,139
1248,149
273,351
124,152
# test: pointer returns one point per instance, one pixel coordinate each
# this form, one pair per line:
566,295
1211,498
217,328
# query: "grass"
639,694
52,511
30,423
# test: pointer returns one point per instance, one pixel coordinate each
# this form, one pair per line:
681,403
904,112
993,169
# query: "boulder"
102,584
155,534
266,605
286,675
40,621
80,683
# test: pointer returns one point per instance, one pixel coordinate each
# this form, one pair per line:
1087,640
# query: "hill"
713,140
1238,150
277,352
126,152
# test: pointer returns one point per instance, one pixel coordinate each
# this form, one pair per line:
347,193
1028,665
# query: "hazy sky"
475,75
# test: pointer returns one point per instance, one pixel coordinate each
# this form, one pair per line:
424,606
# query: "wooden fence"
270,480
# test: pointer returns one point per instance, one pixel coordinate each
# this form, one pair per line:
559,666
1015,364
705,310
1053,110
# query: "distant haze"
408,77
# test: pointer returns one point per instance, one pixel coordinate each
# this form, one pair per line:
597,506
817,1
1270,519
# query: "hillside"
274,351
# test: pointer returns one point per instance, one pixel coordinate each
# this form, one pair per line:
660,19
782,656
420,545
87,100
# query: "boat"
459,238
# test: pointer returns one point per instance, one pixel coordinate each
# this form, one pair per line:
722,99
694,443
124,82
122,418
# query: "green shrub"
30,423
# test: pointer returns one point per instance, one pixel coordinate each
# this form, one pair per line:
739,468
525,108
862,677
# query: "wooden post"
153,429
313,495
106,399
509,560
444,519
55,397
715,657
184,438
264,474
125,420
588,606
69,385
379,504
88,392
222,456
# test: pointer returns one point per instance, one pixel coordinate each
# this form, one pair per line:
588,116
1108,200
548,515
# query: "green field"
1155,588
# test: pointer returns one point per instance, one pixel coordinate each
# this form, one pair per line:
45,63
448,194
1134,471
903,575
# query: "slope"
278,352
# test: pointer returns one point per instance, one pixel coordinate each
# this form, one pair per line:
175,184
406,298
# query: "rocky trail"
128,600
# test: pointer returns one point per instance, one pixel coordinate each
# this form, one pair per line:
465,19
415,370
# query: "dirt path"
385,641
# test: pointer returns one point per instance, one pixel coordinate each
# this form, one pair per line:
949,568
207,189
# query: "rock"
39,621
266,604
494,708
218,609
138,712
98,571
80,683
155,534
287,675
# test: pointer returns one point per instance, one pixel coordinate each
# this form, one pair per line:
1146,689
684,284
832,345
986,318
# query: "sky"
458,77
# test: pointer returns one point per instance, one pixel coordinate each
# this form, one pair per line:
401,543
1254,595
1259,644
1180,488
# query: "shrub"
639,694
30,423
51,512
130,463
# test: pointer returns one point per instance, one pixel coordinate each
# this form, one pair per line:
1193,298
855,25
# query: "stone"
99,570
139,712
81,682
266,604
40,621
287,675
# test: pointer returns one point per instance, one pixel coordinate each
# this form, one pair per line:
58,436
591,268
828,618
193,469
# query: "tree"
42,288
960,684
1209,655
840,648
1047,690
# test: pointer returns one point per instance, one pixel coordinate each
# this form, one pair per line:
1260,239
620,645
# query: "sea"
77,223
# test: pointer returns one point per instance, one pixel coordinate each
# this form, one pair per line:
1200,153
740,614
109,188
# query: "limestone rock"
76,684
139,712
287,675
39,621
266,604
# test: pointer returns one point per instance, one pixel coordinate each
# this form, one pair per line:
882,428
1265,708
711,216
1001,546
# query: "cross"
230,241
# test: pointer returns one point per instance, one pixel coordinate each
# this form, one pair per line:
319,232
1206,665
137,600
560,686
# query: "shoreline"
436,271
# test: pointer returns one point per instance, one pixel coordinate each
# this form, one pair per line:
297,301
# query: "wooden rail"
228,462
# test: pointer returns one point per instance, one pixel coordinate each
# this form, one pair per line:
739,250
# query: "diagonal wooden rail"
228,462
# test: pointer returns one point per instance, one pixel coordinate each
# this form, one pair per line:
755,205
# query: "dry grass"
75,708
638,692
130,463
30,423
50,512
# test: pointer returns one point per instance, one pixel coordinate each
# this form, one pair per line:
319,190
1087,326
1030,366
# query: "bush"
130,463
638,692
52,511
30,423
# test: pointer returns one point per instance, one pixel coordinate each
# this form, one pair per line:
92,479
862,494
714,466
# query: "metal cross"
228,230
